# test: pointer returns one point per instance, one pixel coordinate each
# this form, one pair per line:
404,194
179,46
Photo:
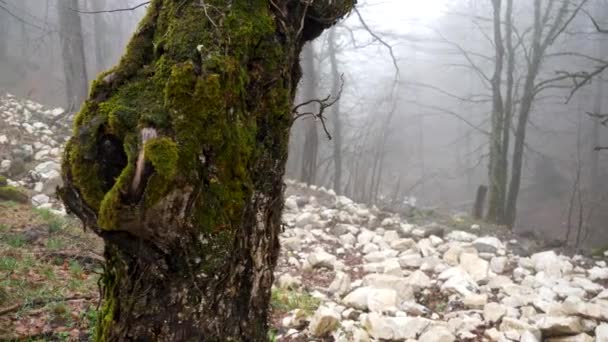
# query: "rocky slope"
368,275
31,143
380,278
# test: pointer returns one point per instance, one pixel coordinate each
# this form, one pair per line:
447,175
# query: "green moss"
8,193
3,181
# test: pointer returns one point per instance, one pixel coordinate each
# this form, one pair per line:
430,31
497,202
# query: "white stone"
320,258
402,245
498,264
597,273
372,299
488,244
459,235
324,321
419,280
286,281
5,166
3,139
547,262
384,281
437,334
394,328
40,199
47,167
494,312
601,333
341,284
410,260
475,301
476,267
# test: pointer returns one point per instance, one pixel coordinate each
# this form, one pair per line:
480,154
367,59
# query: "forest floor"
49,268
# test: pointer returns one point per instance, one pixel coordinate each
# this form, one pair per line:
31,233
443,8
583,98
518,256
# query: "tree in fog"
177,161
311,136
72,48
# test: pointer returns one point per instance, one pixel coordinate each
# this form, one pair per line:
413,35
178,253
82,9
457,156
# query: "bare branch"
112,10
323,105
388,46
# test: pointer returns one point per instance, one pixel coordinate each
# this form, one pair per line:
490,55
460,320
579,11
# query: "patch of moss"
3,181
9,193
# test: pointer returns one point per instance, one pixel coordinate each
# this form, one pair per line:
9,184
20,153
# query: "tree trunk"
480,200
311,136
335,113
101,30
177,161
497,171
72,49
4,35
529,93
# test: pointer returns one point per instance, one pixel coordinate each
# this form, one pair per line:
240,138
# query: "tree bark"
497,171
311,136
335,113
72,49
198,111
4,35
101,30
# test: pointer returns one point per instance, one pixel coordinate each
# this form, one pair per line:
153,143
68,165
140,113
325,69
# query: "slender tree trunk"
335,113
529,93
4,35
101,31
497,171
177,161
311,136
72,48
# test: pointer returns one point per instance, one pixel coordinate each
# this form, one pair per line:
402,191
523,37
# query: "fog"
414,101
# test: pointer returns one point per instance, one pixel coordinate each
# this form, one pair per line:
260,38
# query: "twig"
112,10
323,105
388,46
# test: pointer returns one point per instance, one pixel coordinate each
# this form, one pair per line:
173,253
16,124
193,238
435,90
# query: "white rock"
365,236
410,260
488,244
601,333
494,312
419,280
519,327
402,245
394,328
348,239
286,281
40,199
324,321
320,258
597,273
341,284
475,301
3,139
437,334
459,235
498,264
384,281
458,281
5,166
476,267
47,167
547,262
557,326
372,299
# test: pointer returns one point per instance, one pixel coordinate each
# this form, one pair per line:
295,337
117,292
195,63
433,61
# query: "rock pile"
31,142
380,278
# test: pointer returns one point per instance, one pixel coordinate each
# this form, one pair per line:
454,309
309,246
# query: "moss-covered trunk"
177,161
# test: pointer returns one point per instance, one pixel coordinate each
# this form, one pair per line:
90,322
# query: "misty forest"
304,170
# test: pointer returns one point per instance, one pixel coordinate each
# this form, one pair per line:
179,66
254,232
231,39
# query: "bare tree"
311,136
74,60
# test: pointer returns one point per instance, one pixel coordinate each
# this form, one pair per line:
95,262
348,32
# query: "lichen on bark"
191,249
